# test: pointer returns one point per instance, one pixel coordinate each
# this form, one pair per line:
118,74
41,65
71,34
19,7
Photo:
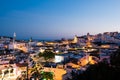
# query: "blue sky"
55,19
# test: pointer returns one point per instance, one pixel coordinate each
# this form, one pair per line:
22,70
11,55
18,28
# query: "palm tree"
36,71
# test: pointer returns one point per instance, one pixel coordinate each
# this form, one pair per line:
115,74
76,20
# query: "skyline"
55,19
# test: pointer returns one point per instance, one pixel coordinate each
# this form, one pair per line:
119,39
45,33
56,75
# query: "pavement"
58,73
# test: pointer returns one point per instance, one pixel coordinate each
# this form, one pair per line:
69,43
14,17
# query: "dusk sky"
56,19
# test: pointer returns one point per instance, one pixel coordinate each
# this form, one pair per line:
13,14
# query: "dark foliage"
47,55
102,70
115,59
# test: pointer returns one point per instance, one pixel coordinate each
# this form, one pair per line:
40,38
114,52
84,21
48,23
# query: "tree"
47,55
115,58
47,75
36,71
101,71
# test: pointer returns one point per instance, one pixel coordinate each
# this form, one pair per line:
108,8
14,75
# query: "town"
54,60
